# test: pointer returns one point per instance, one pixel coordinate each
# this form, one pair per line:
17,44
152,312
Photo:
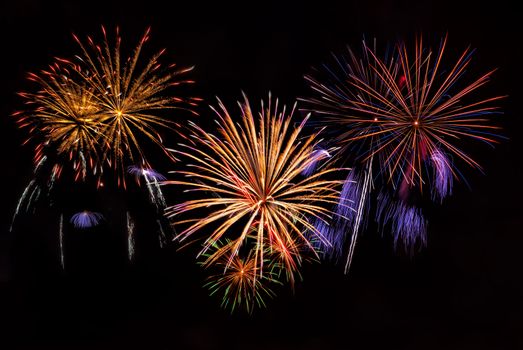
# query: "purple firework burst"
86,219
147,173
407,223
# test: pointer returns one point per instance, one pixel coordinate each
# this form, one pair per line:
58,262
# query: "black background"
464,291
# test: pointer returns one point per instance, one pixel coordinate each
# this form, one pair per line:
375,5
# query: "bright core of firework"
249,178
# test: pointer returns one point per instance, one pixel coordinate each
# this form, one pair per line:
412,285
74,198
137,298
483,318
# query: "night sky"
464,291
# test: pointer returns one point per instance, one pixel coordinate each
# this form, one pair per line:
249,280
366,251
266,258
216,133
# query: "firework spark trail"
318,156
362,204
152,180
337,230
84,165
35,187
35,194
20,201
443,176
155,192
61,241
162,237
55,173
410,227
255,167
130,237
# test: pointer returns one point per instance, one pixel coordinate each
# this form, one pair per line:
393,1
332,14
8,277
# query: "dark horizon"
463,291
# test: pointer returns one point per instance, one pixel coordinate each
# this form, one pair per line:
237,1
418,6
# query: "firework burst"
129,97
86,219
100,107
63,116
239,282
407,115
405,108
250,180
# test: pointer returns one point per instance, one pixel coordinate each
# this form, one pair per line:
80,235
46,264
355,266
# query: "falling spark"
162,237
61,241
130,237
20,201
345,220
361,211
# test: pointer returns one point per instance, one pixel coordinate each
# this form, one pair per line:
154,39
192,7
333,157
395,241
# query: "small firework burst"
146,173
239,283
86,219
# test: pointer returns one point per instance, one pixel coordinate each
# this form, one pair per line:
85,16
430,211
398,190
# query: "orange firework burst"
251,180
66,115
239,283
100,107
129,97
